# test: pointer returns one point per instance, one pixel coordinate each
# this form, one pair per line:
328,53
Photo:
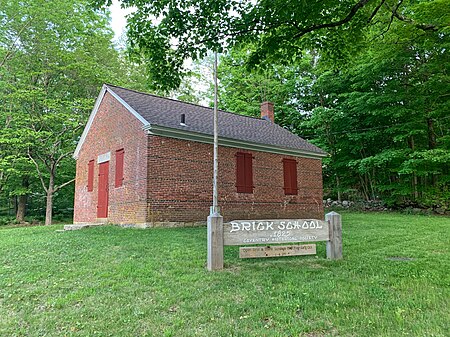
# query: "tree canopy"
367,80
167,32
383,117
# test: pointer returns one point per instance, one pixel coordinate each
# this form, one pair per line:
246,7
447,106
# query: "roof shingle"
167,112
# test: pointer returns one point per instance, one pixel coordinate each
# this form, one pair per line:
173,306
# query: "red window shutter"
119,167
240,172
287,177
244,172
249,173
90,184
294,187
290,176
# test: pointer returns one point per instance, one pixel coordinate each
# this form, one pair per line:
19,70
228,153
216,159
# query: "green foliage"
394,103
6,220
54,57
242,90
366,80
112,281
383,117
165,33
48,84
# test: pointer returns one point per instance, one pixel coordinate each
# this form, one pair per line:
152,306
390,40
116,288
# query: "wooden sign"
276,251
241,232
269,232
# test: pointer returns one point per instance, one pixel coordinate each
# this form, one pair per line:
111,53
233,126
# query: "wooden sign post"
334,243
215,242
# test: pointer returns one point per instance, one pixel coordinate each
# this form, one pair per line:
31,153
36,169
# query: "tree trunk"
21,208
370,191
431,145
364,188
372,184
22,202
49,206
415,184
414,175
431,134
338,185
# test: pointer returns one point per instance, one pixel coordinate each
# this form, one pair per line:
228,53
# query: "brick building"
144,159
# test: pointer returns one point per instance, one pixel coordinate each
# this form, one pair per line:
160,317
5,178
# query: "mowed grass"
112,281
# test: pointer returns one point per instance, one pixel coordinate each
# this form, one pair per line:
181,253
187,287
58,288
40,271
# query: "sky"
118,20
118,24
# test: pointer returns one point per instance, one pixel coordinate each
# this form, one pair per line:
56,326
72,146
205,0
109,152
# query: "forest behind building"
368,82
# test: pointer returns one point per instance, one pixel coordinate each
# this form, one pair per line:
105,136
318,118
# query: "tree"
383,118
168,32
288,86
50,73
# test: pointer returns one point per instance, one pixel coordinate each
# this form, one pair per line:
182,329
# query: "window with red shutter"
119,167
244,172
90,184
290,176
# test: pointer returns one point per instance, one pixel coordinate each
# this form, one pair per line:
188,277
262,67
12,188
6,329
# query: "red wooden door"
102,205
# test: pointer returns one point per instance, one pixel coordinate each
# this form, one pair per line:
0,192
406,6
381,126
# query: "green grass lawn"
111,281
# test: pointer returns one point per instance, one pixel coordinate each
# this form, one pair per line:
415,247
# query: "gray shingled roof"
167,112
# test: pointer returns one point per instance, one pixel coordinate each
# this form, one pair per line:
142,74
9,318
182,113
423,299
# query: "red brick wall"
177,179
180,184
114,128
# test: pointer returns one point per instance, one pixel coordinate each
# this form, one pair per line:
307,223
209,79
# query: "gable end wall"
113,128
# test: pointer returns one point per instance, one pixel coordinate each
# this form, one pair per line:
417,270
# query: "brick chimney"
267,111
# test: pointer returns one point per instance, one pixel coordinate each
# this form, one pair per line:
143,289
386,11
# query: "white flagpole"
215,220
215,209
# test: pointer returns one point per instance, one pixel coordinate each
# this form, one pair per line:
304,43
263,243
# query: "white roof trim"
105,88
